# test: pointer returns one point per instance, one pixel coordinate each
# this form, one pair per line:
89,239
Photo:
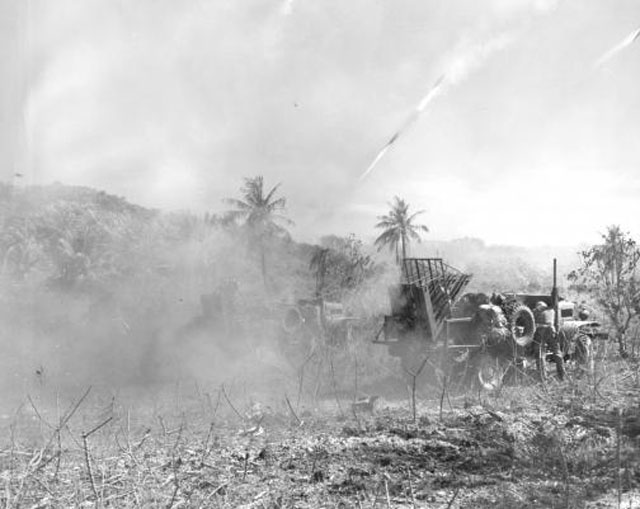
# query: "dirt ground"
566,445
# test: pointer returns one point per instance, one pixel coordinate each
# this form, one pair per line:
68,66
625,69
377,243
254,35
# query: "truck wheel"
490,372
522,325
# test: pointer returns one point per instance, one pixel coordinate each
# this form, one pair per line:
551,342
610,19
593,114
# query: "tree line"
70,239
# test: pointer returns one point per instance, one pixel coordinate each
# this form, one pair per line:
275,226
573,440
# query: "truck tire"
521,319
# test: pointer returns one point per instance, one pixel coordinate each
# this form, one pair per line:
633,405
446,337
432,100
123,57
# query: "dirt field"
197,445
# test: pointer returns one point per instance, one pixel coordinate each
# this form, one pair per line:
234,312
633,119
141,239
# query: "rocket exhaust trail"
627,41
433,92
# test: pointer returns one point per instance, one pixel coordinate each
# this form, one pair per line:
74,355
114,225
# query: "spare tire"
522,324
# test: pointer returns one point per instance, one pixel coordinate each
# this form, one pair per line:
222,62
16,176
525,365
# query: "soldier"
491,326
545,338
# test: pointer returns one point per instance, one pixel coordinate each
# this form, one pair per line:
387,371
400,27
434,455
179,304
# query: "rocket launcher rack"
440,286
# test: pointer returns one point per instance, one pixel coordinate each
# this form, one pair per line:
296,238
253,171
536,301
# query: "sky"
531,140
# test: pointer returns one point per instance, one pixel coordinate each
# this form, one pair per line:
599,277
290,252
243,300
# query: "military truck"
474,335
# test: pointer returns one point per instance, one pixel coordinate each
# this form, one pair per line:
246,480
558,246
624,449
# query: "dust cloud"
181,299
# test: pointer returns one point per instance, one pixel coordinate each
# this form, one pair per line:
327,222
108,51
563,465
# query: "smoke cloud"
170,104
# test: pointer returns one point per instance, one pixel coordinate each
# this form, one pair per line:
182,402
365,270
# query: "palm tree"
399,228
261,213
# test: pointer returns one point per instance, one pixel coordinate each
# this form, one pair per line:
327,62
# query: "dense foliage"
87,276
609,276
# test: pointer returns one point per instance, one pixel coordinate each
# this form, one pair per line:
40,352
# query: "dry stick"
42,419
453,499
56,434
413,497
65,419
101,425
375,496
414,378
146,435
209,403
12,456
87,459
40,464
59,457
444,390
246,464
89,471
164,428
226,397
447,393
318,379
214,492
386,490
176,481
618,461
44,486
335,388
176,486
215,409
286,398
355,416
73,410
355,377
205,447
301,377
127,432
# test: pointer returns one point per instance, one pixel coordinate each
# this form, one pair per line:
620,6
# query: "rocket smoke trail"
617,48
468,56
433,92
465,59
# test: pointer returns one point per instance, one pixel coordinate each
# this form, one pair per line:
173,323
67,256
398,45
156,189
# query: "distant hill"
30,199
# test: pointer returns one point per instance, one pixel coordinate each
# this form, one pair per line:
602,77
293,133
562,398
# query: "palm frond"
242,205
267,198
415,214
258,210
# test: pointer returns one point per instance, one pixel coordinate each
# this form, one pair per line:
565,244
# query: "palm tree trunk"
320,280
404,247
